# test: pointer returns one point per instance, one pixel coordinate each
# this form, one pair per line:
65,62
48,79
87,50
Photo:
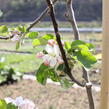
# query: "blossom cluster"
21,103
15,34
52,57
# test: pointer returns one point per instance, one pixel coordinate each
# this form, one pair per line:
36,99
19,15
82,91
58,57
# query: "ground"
49,96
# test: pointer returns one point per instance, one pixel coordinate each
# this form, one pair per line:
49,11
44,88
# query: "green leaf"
48,37
3,104
67,45
86,58
62,68
90,46
37,42
45,72
66,83
18,45
3,29
32,35
21,28
11,106
42,74
53,76
79,43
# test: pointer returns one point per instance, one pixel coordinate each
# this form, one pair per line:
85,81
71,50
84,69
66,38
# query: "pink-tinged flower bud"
51,42
15,32
46,63
39,55
15,38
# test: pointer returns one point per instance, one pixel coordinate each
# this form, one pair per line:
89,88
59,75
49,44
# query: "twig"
71,19
58,38
34,22
43,14
6,38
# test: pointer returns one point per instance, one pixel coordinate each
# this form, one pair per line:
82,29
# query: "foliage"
53,66
18,103
8,74
4,105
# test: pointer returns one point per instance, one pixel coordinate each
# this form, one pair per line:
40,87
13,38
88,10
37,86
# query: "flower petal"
60,60
39,55
15,38
53,61
56,50
49,49
51,42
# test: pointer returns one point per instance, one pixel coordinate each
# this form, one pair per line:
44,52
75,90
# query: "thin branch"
6,38
58,38
43,14
71,19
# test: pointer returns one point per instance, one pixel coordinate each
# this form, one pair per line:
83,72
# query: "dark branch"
6,38
58,38
43,14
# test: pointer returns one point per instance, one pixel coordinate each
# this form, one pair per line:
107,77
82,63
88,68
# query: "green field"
28,62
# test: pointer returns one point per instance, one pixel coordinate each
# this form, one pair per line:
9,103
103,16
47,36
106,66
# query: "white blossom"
15,34
21,103
53,56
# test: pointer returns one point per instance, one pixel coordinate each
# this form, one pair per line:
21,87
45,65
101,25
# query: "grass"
29,63
21,62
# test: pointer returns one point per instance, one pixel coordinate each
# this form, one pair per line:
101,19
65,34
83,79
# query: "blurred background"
88,14
28,10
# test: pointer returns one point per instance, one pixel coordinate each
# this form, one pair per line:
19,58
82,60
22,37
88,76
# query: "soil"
49,96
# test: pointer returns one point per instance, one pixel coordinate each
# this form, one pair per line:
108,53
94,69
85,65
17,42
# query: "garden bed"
49,96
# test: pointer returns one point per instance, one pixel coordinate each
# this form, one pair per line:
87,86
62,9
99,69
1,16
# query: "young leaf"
42,74
90,46
18,45
37,42
21,28
79,42
48,37
85,58
67,45
32,35
53,76
45,72
3,29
